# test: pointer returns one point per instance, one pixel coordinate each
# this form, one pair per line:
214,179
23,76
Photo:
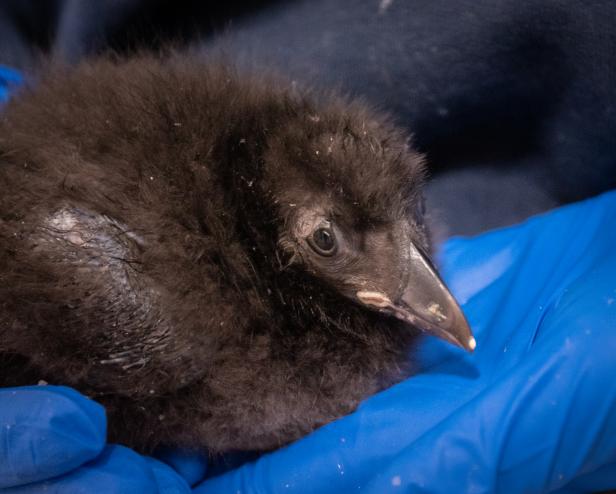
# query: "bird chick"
222,261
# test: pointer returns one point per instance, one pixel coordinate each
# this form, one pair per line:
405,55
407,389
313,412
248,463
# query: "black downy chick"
223,262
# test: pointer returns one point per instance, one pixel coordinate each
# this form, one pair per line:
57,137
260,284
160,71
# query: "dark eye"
323,241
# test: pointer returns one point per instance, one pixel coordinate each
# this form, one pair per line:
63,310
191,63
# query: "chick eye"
323,241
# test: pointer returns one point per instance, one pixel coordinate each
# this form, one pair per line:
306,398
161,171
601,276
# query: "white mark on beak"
376,299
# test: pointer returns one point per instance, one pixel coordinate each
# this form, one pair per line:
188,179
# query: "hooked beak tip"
472,344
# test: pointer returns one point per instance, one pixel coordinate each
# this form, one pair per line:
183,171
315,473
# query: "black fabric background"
514,101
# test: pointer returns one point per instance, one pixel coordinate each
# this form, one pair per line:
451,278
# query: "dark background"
514,101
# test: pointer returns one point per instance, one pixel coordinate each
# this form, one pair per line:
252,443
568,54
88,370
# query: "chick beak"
426,303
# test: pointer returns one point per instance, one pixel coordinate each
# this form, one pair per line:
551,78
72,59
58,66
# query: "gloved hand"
532,410
52,440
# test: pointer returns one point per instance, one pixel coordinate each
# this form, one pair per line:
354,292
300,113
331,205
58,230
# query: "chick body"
152,256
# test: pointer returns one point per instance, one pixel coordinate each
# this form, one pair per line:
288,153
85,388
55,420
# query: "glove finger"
192,466
46,431
118,470
168,480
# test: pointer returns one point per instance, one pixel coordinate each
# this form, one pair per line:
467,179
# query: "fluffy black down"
144,209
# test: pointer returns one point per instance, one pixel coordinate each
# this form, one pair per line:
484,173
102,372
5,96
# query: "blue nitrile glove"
52,440
532,410
9,79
